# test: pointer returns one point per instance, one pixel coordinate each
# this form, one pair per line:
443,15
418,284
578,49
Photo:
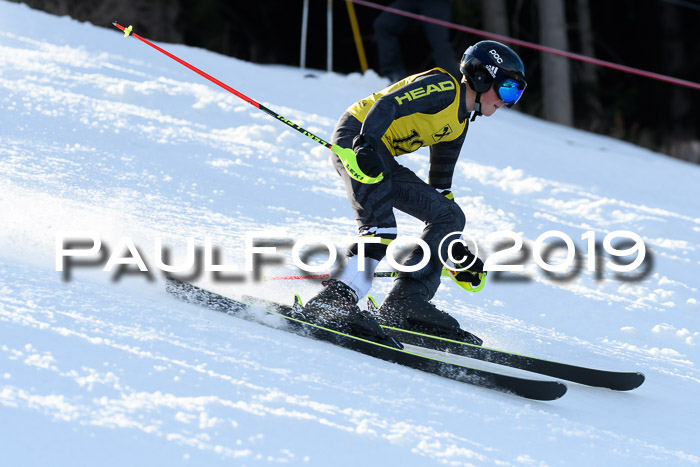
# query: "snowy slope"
104,134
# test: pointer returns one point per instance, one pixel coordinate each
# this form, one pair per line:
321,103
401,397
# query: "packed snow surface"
105,135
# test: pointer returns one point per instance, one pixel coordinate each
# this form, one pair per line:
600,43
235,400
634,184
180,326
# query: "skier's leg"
442,216
407,305
373,208
336,305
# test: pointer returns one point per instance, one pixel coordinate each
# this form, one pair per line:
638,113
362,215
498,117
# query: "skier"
432,109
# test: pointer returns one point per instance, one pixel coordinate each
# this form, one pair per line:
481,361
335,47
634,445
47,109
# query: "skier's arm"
443,159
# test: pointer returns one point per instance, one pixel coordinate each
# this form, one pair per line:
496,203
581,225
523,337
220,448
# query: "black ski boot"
407,307
335,307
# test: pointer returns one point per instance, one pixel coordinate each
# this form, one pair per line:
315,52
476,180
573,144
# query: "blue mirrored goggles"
510,90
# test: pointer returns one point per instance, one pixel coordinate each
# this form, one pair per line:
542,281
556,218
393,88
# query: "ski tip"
629,382
554,390
534,389
562,390
540,390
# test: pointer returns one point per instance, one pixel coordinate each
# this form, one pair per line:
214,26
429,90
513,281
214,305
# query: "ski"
523,387
616,380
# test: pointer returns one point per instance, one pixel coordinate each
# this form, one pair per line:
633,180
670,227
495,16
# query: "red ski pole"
347,156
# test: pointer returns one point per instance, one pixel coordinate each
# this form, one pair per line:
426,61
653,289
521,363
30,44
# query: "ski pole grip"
349,160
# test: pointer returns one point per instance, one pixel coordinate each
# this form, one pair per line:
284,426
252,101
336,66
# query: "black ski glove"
475,275
368,160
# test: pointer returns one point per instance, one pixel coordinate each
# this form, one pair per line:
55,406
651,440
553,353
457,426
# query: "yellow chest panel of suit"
411,132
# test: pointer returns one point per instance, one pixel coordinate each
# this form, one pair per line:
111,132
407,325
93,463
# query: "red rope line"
531,45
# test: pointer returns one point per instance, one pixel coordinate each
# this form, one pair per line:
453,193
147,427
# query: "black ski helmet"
489,62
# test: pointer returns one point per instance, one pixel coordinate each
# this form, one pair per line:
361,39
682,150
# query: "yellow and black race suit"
427,109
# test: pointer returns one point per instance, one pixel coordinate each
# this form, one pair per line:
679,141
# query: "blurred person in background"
389,26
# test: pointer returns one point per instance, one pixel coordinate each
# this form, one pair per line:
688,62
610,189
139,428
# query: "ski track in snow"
102,133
